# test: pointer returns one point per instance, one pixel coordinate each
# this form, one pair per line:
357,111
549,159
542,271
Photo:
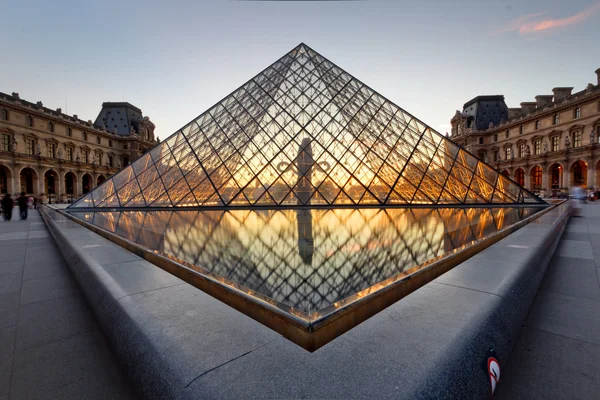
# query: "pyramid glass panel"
304,132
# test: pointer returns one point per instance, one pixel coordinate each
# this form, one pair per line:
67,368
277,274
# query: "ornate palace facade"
58,157
546,145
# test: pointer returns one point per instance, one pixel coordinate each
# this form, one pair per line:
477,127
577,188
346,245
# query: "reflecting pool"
306,259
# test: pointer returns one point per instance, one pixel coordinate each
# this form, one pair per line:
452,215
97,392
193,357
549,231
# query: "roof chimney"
542,100
513,112
598,75
561,92
527,106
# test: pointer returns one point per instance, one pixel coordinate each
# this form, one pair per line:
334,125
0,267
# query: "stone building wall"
43,152
547,146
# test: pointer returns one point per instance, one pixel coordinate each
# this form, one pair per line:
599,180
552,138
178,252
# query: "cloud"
517,23
531,23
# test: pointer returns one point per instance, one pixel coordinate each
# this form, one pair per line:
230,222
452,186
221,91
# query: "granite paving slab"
39,354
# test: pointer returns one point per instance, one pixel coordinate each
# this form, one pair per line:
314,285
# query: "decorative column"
41,186
591,175
11,185
79,185
61,186
566,177
545,186
527,180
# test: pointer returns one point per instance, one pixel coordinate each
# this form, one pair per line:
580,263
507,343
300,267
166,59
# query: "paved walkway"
558,352
50,343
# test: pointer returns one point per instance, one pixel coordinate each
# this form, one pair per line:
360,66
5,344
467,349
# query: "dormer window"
577,113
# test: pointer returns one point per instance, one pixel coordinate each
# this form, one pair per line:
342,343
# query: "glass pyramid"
305,132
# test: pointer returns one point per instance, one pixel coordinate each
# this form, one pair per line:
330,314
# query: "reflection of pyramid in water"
304,132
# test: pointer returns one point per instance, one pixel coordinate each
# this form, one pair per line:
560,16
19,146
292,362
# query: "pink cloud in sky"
527,24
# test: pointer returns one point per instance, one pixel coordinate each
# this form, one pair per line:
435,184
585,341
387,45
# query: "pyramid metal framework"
304,132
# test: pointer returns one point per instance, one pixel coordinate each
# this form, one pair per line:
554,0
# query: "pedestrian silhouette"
7,206
22,202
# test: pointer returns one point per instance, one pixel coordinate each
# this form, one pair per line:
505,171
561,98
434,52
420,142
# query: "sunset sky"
176,59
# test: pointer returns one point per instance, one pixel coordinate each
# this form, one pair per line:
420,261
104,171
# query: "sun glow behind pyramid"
304,132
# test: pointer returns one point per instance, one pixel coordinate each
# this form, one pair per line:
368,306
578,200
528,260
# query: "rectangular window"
125,161
538,124
554,143
51,149
30,146
5,145
69,132
85,156
555,119
125,146
577,139
110,161
507,151
507,133
537,147
98,158
99,140
496,155
577,113
522,150
480,140
69,154
495,137
84,136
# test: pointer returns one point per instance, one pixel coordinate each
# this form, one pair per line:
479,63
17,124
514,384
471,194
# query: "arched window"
520,177
29,120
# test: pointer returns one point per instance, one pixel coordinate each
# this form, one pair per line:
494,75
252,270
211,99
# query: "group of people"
22,201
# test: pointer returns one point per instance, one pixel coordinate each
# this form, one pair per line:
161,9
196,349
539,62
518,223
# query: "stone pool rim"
311,331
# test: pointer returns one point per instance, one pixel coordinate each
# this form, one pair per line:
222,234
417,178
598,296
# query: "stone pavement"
50,343
558,351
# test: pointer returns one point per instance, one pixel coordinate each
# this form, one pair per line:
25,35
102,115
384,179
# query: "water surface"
307,259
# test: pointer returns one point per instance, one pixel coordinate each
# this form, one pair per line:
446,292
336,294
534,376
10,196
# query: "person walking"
22,202
577,198
7,206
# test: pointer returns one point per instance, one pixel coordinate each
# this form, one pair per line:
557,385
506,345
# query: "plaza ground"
51,345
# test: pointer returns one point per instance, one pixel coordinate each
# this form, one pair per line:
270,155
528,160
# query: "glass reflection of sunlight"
307,258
